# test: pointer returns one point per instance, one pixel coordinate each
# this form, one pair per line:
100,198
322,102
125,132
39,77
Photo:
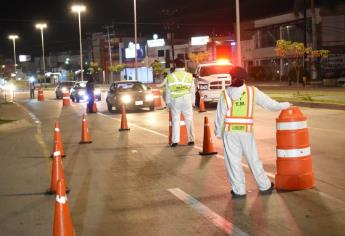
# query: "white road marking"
217,220
269,174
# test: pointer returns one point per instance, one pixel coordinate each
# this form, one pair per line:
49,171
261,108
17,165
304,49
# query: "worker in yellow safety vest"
180,97
234,124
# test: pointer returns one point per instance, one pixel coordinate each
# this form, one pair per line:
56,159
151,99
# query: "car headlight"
126,99
81,93
149,97
64,90
203,86
97,92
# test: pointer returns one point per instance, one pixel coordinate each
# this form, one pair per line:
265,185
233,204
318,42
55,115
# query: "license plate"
139,103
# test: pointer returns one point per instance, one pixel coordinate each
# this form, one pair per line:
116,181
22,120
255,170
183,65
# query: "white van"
211,79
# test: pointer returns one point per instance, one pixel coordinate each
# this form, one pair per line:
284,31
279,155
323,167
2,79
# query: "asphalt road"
132,183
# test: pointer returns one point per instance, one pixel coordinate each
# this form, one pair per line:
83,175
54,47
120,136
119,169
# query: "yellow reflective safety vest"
180,83
239,116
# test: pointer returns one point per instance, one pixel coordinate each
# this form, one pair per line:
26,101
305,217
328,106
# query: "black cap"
179,63
238,76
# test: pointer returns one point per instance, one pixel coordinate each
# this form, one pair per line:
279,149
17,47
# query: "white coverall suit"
237,144
182,104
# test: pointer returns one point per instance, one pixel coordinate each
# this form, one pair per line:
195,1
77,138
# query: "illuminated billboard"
200,40
24,58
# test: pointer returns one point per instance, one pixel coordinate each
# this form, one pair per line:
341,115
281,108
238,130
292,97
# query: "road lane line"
166,136
269,174
38,135
217,220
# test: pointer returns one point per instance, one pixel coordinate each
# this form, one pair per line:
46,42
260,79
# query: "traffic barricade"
294,162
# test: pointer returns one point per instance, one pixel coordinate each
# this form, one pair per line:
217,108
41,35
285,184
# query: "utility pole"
111,80
314,72
170,26
304,38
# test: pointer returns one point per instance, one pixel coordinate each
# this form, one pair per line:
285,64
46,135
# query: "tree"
198,57
294,52
117,68
158,69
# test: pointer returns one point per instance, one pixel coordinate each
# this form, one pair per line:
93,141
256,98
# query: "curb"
318,105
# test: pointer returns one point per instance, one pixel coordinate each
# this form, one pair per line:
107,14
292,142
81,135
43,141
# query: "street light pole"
78,9
13,37
238,34
135,39
42,26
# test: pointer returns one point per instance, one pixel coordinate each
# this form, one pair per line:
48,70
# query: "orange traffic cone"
202,105
65,99
183,130
62,216
85,136
57,172
94,107
40,95
58,140
124,126
207,148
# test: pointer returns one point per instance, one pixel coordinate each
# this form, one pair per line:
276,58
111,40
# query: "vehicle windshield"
69,83
80,85
214,69
130,86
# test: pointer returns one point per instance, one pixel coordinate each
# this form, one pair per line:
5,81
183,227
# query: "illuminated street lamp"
78,9
42,26
13,37
135,39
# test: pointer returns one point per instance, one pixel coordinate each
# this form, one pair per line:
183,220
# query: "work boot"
191,143
173,144
268,191
235,195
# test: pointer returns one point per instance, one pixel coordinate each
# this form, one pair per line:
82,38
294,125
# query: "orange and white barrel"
294,163
183,131
66,99
40,95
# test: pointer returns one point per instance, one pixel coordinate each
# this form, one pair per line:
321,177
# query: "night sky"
193,16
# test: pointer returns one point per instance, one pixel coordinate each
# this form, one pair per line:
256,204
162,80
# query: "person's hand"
286,105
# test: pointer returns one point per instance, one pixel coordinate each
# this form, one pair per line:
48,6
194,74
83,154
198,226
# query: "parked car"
78,92
133,94
62,87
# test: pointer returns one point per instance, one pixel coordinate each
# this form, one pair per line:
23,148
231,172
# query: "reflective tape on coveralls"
181,123
291,125
293,153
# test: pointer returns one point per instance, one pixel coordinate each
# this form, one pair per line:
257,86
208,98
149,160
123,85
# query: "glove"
218,134
285,105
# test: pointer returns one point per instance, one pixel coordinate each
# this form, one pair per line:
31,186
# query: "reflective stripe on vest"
239,116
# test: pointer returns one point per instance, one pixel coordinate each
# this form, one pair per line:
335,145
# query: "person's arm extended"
268,103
